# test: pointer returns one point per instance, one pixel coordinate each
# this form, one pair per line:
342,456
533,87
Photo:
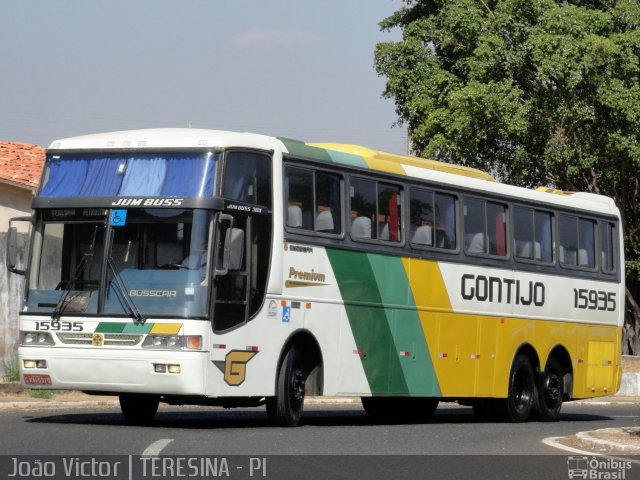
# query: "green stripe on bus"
347,159
368,321
300,149
409,339
108,327
137,327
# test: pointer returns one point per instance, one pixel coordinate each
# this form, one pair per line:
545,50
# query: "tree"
539,92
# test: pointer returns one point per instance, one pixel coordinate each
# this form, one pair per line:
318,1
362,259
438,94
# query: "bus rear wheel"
549,394
518,405
139,409
285,409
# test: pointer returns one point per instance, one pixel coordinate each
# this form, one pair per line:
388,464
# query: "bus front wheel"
139,409
285,409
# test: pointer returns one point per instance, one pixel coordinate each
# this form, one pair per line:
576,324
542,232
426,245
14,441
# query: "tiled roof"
21,164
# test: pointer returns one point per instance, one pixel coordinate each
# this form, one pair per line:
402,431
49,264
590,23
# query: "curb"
53,405
629,385
592,441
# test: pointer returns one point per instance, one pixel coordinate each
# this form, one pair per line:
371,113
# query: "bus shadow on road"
209,418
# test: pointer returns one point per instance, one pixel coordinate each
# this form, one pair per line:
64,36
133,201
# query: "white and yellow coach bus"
205,267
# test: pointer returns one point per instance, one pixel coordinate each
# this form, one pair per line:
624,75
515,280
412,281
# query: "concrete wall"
14,202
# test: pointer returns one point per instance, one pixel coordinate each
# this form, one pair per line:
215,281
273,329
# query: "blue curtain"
103,178
185,175
143,176
189,175
65,177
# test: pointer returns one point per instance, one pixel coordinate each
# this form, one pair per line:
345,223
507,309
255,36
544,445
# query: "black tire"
285,409
139,409
518,405
400,408
549,393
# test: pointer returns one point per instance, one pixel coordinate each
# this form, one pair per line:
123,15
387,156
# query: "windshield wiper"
121,290
67,298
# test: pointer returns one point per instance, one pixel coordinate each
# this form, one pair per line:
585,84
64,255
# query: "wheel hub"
297,386
552,390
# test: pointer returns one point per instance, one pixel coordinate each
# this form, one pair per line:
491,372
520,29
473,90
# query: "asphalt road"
335,442
327,430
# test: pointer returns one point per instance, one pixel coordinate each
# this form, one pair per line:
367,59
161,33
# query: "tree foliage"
539,92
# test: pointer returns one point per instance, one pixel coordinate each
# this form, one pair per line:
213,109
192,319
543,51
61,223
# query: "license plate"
36,379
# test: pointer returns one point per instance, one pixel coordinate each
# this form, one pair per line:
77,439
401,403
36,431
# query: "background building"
20,170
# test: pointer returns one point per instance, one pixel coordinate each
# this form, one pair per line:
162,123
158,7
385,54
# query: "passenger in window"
324,219
294,214
360,226
424,233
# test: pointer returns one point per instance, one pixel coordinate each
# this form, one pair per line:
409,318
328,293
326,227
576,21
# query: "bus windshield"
154,264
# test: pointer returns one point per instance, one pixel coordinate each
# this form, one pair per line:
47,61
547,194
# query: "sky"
279,67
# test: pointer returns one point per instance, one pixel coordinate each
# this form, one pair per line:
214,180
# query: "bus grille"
111,339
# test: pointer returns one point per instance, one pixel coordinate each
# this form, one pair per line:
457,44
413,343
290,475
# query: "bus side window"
432,223
568,233
586,243
523,233
320,213
328,203
421,217
375,211
532,238
299,193
474,226
497,228
363,209
389,213
247,178
445,221
543,244
608,246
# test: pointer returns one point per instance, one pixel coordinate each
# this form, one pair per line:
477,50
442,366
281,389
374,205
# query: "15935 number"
594,299
57,326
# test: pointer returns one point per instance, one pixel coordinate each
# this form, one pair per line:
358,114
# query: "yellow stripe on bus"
167,328
472,354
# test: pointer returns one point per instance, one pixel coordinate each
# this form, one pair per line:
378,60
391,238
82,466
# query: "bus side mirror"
233,247
17,245
235,241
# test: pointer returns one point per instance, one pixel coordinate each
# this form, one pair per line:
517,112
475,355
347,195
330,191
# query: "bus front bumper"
111,370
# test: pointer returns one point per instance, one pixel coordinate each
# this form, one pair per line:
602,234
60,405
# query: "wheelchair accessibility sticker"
286,314
118,218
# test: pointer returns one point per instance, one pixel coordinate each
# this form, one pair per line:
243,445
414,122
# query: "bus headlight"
173,342
36,338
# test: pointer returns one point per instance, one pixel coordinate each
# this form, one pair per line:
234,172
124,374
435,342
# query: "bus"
203,267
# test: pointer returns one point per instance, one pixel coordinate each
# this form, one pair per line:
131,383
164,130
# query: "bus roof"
345,154
379,160
165,138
